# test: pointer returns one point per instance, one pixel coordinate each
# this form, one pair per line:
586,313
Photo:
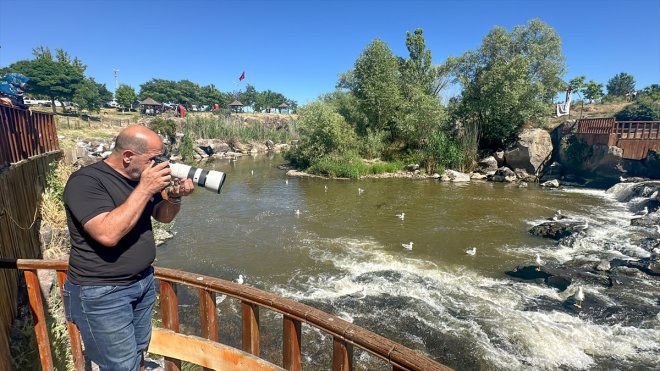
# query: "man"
109,292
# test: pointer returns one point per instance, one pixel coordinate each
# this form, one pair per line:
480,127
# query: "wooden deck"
635,138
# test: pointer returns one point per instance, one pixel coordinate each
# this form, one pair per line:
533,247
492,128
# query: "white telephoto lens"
209,179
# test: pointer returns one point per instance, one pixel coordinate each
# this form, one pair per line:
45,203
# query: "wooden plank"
74,335
251,334
342,355
40,328
169,305
291,344
207,313
206,353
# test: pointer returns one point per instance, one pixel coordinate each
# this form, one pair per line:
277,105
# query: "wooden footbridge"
635,138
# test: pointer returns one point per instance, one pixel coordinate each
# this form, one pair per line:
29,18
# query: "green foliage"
164,126
88,95
593,90
184,92
620,85
350,165
55,77
651,92
219,127
125,96
642,110
417,72
323,132
377,86
186,148
577,151
421,116
372,145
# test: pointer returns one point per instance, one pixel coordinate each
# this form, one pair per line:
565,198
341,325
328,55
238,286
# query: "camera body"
209,179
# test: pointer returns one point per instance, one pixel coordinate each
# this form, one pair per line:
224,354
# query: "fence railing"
24,133
206,351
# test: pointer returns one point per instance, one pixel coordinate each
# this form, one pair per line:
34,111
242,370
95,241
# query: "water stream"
343,253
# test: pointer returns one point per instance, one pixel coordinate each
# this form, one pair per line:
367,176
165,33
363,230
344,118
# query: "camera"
209,179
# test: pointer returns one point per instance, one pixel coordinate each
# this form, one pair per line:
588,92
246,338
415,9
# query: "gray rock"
533,147
603,266
504,174
551,184
487,165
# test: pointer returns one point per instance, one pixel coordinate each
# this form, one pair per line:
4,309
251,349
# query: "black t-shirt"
97,189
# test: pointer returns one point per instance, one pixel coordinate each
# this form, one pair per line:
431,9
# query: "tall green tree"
377,86
88,95
593,90
125,96
620,85
249,96
54,77
160,90
417,71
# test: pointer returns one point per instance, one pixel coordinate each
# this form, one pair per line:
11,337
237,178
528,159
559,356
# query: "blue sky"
299,48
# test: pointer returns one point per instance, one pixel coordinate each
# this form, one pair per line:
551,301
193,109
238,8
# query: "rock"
522,184
551,184
499,156
603,266
504,174
545,275
522,175
477,176
455,176
647,265
269,144
242,148
487,165
557,230
532,149
412,167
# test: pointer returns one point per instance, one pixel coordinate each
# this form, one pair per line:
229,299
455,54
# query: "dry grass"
588,111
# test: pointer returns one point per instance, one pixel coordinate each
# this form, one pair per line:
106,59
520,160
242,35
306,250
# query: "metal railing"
206,351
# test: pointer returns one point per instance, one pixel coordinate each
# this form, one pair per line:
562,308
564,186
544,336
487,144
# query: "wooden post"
207,317
169,305
291,358
251,334
40,328
342,355
74,335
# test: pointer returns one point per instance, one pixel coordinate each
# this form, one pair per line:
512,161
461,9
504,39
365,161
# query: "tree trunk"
52,104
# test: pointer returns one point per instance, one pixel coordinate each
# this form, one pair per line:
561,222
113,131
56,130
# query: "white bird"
622,179
401,216
360,294
582,227
579,297
539,263
407,246
557,215
286,181
360,190
297,211
471,251
643,212
252,172
219,299
325,188
656,250
240,279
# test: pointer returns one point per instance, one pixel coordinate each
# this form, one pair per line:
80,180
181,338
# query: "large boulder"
455,176
533,147
487,165
504,174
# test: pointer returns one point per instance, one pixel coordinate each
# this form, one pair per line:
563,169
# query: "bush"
165,127
349,166
577,150
643,110
186,148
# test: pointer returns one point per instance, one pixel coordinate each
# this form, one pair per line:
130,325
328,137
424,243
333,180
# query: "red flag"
242,76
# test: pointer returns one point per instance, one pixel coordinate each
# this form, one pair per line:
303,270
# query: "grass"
588,111
351,167
219,127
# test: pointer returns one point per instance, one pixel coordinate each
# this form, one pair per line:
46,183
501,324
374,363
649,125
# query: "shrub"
166,127
643,110
577,150
186,148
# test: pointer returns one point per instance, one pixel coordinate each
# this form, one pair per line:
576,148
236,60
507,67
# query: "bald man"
109,292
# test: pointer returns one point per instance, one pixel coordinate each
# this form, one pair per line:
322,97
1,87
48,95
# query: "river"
343,253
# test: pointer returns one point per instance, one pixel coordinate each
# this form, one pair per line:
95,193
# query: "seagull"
539,263
656,250
286,181
219,299
297,211
582,227
407,246
360,190
252,172
622,179
401,216
240,280
360,294
471,251
579,297
325,188
643,212
557,215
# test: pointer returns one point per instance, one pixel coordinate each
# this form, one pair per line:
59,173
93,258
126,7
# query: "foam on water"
488,314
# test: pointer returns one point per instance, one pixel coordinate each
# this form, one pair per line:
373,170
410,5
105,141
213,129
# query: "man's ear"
127,155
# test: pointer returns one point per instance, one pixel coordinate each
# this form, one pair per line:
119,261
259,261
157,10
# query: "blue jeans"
114,321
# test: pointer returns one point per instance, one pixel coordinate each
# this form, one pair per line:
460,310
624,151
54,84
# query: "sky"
299,48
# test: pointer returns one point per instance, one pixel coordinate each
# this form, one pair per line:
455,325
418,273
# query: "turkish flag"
242,76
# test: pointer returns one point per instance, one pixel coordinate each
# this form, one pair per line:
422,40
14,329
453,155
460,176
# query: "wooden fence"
635,138
30,136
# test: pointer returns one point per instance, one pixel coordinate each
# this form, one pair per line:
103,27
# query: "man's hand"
155,178
181,187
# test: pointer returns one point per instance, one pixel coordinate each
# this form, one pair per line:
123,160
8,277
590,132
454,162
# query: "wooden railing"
24,133
206,351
